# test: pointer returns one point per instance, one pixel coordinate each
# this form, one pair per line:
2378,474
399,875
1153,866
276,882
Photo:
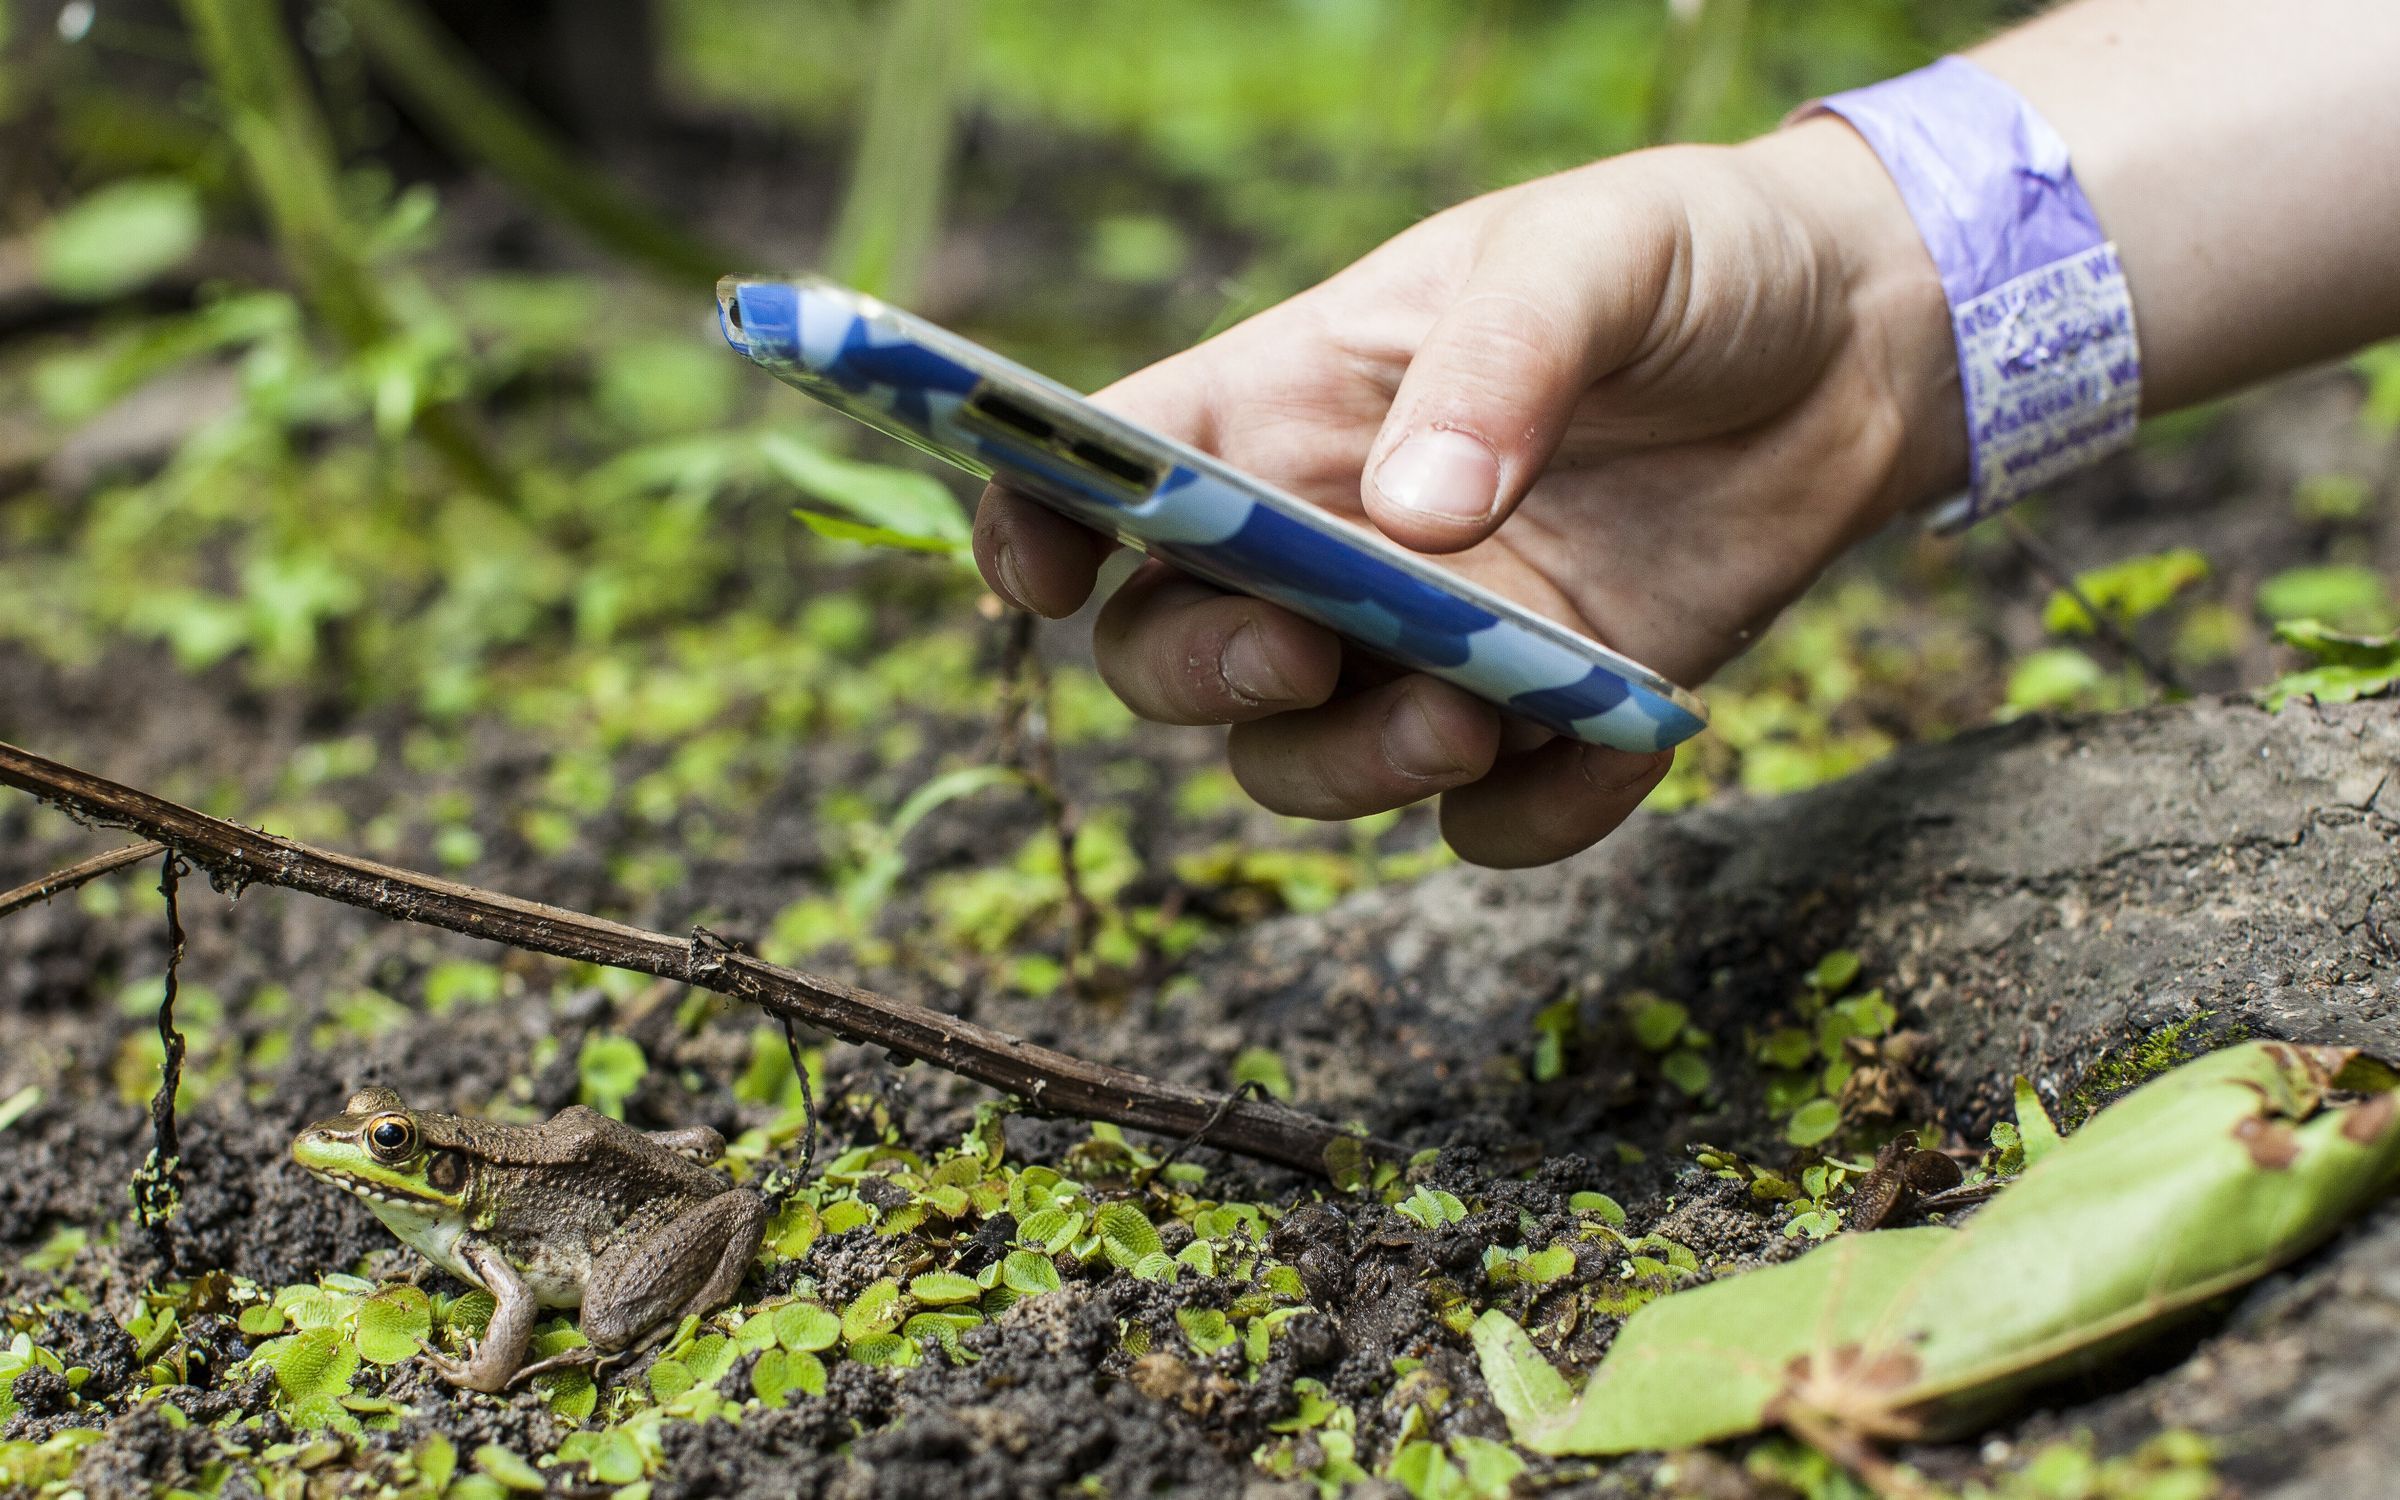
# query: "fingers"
1549,307
1380,749
1034,557
1548,803
1181,652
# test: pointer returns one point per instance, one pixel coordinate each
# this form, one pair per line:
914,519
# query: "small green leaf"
845,1214
1432,1208
804,1327
907,505
1545,1266
507,1470
1607,1208
569,1393
314,1364
119,237
875,1310
260,1321
1834,973
1787,1047
2344,596
1657,1023
779,1372
1346,1162
670,1378
1045,1227
1264,1067
19,1104
616,1458
2348,667
1029,1274
394,1324
1206,1328
1688,1071
1126,1234
2126,592
885,1351
436,1461
941,1288
770,1376
1813,1122
1530,1394
610,1068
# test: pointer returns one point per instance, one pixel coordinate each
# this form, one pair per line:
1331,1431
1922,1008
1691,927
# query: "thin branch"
1024,742
157,1186
58,882
1050,1082
2062,578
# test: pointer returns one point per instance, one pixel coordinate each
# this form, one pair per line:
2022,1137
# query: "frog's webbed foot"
492,1363
474,1373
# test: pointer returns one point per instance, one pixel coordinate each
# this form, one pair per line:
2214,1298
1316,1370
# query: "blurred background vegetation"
358,373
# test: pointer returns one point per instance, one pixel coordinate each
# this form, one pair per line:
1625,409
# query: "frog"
632,1227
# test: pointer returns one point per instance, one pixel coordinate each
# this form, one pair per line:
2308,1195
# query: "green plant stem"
287,155
1697,61
891,213
2042,560
476,118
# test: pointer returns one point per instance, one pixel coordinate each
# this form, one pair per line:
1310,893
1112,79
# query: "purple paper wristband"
2047,361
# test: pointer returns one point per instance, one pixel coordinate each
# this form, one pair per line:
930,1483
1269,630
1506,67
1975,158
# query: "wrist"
1899,349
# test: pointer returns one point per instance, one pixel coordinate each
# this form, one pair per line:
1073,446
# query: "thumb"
1489,392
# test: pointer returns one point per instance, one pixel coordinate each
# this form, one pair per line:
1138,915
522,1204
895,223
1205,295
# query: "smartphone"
997,420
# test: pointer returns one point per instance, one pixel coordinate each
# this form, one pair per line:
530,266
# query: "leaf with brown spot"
2369,1121
2271,1143
2203,1179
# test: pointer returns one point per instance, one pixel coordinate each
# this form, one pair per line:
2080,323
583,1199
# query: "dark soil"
2080,901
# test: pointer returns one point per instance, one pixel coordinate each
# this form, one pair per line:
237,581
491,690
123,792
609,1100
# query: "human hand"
1649,398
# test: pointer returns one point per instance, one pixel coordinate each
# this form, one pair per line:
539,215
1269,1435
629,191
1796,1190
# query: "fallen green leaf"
2201,1180
2037,1135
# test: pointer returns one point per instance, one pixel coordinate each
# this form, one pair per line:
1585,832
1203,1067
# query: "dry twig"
1050,1082
58,882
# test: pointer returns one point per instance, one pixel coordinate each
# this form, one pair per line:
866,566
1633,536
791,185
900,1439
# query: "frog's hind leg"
646,1284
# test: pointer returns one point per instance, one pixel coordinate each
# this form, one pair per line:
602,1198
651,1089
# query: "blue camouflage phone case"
991,417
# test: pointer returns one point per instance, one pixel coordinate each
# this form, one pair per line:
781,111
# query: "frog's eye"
392,1137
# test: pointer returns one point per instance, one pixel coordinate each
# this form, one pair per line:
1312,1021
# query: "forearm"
2245,157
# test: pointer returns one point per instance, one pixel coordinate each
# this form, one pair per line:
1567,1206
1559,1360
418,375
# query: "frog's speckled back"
976,410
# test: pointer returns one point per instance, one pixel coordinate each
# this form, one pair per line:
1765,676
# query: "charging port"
999,409
1114,464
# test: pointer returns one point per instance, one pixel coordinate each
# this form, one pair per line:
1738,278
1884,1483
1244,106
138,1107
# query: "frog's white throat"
436,1236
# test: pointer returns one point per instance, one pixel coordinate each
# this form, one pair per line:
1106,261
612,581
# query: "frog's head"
376,1150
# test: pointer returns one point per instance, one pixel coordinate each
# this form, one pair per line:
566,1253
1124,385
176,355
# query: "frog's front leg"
698,1142
641,1287
495,1359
